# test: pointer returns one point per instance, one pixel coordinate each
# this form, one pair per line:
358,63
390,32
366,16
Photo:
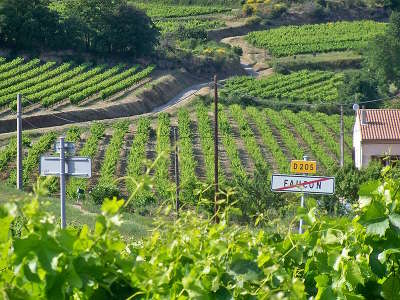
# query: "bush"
237,50
253,21
314,10
183,33
278,10
103,191
248,10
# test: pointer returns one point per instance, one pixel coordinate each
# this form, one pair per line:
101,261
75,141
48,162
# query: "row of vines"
270,139
338,36
303,86
50,83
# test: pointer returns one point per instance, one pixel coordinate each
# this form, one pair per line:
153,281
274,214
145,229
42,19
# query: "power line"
338,104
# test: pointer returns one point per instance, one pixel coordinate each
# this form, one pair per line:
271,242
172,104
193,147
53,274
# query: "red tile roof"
382,124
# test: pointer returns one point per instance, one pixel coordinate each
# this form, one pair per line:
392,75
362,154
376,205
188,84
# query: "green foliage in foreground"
193,258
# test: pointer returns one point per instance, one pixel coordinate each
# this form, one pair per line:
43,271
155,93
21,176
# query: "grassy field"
134,226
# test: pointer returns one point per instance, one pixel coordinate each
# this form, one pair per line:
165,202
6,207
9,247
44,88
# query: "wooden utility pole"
216,149
341,137
177,179
19,143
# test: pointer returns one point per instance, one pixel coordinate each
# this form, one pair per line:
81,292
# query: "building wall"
372,149
357,150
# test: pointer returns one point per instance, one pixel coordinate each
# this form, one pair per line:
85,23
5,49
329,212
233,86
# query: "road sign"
303,166
68,147
74,166
303,184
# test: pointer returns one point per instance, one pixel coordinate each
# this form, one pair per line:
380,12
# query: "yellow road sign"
303,166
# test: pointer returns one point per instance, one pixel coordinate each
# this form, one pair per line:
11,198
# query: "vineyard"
339,36
48,84
168,26
158,10
250,138
302,86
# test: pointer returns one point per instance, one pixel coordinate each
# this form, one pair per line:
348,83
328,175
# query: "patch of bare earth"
97,161
245,158
151,145
303,145
197,151
255,57
222,157
123,160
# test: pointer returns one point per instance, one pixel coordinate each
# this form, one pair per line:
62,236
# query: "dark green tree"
110,26
28,24
359,86
129,30
382,56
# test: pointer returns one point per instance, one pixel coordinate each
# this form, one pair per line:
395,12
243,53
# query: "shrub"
248,10
103,191
183,33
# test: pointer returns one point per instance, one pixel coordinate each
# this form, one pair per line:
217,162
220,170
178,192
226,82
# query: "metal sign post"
304,184
305,158
63,166
62,183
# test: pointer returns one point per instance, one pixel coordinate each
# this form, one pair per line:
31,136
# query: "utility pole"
216,148
19,143
62,183
177,179
341,137
305,157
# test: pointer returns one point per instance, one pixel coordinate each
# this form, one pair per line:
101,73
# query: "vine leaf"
391,288
395,220
378,228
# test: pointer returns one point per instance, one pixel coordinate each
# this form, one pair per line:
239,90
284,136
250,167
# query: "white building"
376,135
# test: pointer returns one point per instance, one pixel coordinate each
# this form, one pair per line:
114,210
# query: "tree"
110,26
130,30
28,24
382,56
358,86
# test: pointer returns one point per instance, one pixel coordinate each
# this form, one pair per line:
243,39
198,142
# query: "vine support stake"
341,137
177,179
216,149
19,142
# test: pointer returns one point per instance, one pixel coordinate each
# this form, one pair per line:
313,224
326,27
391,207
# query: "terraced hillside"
303,86
170,17
249,138
325,37
50,85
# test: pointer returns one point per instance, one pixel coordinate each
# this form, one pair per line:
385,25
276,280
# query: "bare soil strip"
97,161
223,158
245,158
197,152
264,149
123,161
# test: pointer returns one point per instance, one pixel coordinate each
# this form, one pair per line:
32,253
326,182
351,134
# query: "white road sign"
68,147
74,166
303,184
